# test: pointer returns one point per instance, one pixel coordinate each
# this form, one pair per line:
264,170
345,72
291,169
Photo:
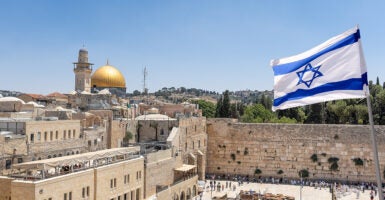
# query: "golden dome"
108,77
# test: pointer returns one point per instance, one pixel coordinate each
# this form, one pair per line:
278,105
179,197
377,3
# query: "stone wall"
155,130
159,170
240,148
193,142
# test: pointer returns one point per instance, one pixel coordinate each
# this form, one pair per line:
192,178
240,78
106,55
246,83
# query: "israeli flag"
333,70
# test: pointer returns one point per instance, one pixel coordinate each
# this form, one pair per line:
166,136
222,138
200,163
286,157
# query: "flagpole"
375,151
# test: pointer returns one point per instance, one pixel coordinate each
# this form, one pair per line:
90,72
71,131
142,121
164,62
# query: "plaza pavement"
308,193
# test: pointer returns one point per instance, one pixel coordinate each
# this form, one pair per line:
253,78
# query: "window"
118,197
51,135
45,136
73,133
65,196
193,144
126,179
8,164
57,135
84,192
111,183
38,136
19,160
114,182
64,134
70,196
88,191
185,146
32,137
69,134
199,144
95,142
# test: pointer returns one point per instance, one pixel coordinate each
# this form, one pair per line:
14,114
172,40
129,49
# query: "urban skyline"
208,45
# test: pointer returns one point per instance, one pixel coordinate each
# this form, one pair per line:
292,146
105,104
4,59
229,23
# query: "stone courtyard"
308,193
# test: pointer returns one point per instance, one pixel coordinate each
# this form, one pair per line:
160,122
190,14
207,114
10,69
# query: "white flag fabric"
332,70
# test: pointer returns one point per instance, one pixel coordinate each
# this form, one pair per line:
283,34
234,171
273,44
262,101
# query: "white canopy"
75,159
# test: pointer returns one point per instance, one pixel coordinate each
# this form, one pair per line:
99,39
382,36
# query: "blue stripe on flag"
290,67
350,84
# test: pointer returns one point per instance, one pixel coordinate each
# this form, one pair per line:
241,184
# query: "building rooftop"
42,169
154,117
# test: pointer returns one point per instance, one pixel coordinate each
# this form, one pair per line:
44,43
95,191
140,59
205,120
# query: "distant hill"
181,94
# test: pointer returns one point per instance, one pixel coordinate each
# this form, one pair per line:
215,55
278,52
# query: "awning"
185,168
75,159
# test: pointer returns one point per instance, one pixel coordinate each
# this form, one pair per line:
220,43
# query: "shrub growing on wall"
314,157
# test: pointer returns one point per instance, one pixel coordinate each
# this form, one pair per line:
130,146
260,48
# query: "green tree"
225,109
293,113
257,114
127,137
136,93
219,107
379,108
315,114
208,108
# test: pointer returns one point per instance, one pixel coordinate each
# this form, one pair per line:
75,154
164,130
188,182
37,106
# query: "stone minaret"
82,70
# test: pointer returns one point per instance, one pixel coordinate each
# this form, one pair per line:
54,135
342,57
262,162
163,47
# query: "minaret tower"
82,70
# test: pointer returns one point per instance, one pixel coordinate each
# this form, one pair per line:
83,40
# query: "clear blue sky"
214,45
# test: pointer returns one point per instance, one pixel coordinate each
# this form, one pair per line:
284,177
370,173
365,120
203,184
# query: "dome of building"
108,77
5,99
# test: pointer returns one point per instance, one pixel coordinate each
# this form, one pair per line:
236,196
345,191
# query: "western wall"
282,150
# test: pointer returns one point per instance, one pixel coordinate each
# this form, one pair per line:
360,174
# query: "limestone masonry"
282,150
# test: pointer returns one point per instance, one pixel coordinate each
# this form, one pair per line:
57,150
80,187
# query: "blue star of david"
308,69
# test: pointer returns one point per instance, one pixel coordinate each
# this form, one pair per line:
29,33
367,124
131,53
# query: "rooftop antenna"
145,73
145,89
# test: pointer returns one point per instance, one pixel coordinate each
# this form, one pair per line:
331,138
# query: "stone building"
171,110
110,78
154,127
104,78
36,140
107,174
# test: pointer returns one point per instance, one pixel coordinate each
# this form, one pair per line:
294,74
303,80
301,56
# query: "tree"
219,107
225,109
127,137
136,93
315,114
208,108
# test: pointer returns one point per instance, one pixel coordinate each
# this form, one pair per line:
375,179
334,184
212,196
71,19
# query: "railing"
39,176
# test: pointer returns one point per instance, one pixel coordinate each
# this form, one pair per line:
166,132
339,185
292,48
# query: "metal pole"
300,190
375,152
